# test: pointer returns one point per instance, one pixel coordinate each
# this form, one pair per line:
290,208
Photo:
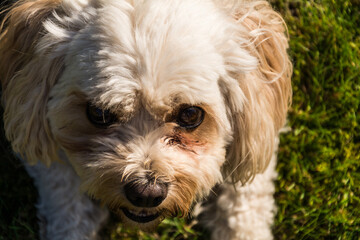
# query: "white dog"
145,108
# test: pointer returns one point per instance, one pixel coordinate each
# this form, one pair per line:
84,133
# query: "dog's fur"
143,61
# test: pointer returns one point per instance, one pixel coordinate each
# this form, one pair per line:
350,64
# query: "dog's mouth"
142,216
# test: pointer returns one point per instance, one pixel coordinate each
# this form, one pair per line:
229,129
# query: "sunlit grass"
319,160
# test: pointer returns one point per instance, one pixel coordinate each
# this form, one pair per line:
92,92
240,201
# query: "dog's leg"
63,211
242,212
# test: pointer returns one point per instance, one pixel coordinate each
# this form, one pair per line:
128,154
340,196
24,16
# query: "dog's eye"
190,117
99,117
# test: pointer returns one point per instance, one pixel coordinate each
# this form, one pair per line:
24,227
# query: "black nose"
150,194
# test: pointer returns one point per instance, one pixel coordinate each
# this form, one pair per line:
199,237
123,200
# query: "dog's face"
153,103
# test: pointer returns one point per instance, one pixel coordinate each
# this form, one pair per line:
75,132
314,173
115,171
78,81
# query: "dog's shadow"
17,195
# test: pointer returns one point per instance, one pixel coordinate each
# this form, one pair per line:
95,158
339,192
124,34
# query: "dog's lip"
141,217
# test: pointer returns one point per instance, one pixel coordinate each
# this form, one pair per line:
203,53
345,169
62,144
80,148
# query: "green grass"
318,188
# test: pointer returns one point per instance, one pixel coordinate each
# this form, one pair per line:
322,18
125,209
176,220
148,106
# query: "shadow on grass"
17,196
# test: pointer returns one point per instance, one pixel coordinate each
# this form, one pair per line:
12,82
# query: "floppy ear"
257,99
27,74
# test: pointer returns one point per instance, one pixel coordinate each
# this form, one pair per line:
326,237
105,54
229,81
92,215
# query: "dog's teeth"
133,212
141,214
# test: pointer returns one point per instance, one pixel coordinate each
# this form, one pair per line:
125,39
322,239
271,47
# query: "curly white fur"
143,61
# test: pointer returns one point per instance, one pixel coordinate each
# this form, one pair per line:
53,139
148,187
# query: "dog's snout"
151,194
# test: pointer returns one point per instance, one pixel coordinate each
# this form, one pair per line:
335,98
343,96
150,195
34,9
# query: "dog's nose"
151,194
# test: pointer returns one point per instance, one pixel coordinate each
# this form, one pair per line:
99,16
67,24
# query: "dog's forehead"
177,50
156,52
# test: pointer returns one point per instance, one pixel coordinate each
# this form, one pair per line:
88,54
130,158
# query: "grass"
17,198
318,188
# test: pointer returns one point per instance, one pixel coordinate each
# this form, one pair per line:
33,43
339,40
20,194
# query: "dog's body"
147,107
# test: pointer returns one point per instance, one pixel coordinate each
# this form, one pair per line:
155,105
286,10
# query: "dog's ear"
27,73
257,99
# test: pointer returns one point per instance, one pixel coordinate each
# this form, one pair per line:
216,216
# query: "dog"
147,109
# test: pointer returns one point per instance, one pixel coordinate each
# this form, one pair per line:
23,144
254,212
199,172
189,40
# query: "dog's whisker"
237,166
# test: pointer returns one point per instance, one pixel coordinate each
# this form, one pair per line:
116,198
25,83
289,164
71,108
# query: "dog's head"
152,102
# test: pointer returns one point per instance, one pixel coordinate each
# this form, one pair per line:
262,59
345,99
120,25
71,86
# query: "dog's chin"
144,219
